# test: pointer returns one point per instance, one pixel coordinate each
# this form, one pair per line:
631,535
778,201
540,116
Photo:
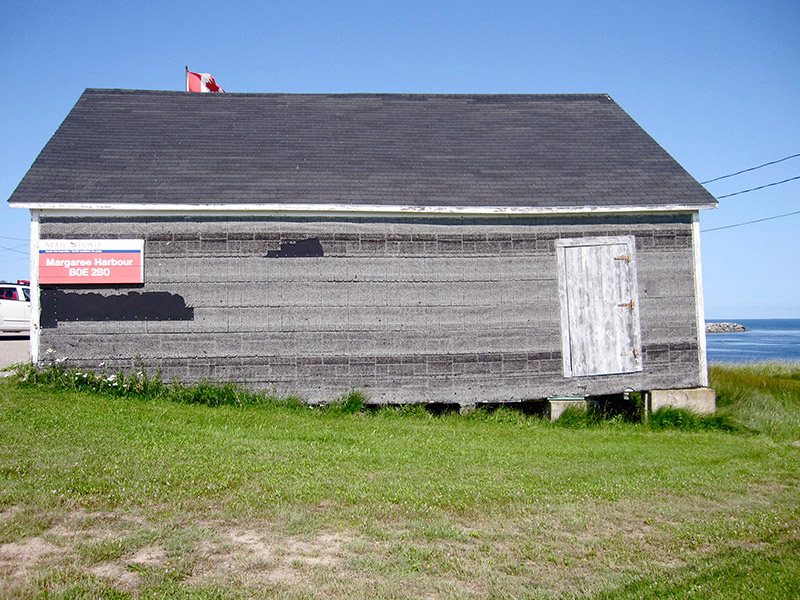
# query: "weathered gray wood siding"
411,310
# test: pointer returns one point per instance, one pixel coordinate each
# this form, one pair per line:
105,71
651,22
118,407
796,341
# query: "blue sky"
717,84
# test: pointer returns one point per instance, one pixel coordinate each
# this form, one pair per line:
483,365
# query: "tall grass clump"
685,420
140,385
351,403
55,375
577,418
763,397
758,398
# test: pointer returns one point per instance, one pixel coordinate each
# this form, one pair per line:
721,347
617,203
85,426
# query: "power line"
797,212
774,162
14,250
761,187
11,260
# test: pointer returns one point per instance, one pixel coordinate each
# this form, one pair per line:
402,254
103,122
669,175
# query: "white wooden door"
599,306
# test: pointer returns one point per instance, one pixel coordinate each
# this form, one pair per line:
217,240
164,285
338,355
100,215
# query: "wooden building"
439,248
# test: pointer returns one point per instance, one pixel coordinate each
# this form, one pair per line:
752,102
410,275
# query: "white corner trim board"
34,287
700,311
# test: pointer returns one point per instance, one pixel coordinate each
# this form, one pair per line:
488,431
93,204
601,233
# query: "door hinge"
630,305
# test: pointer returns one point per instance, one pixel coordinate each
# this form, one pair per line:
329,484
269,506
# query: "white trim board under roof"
346,209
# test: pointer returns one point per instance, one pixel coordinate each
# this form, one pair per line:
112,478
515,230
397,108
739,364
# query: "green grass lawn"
107,497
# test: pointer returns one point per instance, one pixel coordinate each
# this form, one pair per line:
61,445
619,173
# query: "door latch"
625,257
630,305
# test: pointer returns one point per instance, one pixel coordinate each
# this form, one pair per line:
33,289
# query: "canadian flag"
201,82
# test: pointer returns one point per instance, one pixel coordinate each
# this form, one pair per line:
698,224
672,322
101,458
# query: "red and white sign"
91,261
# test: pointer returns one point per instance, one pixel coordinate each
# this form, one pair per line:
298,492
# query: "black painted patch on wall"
58,305
301,248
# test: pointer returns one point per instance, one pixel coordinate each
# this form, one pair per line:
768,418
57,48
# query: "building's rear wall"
411,310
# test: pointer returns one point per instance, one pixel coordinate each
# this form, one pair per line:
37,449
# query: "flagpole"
187,78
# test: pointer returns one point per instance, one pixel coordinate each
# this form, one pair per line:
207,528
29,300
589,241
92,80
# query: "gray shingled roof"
128,146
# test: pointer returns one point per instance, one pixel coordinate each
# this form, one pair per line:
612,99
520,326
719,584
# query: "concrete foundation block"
702,401
557,406
466,408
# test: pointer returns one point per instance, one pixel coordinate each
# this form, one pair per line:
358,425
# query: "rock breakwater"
724,327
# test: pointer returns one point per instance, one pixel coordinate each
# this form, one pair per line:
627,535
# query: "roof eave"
350,209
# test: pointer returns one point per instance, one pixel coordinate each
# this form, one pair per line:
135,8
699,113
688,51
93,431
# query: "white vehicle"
15,307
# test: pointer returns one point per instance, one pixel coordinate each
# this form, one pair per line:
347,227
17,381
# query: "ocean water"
766,339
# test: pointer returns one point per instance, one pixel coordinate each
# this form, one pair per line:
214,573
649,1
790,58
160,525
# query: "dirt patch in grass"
124,572
18,558
107,545
549,551
77,539
117,574
8,512
80,524
252,556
